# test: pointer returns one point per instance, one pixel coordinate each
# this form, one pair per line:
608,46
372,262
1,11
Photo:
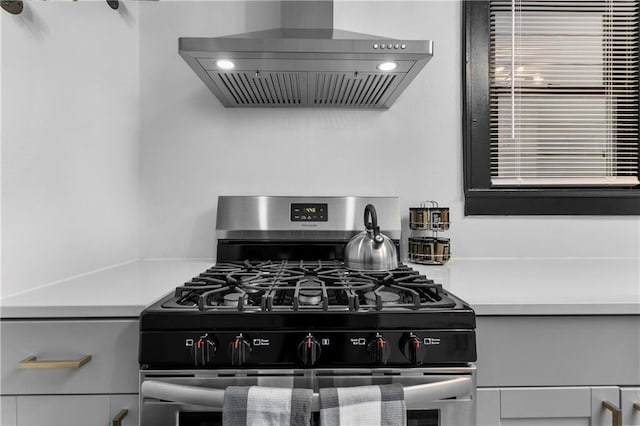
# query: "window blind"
564,92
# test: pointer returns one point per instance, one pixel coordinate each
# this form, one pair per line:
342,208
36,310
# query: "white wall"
191,146
194,149
70,152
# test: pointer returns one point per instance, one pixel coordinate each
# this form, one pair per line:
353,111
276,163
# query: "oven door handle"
415,396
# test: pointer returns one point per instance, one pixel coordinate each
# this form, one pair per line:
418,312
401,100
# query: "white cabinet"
69,372
596,350
74,410
63,410
630,405
8,411
488,407
112,346
126,408
545,406
558,370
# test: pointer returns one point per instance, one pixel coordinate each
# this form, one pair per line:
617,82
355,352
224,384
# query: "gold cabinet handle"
117,420
616,413
33,362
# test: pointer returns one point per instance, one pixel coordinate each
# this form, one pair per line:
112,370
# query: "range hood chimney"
306,63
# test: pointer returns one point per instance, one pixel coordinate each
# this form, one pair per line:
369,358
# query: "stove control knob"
378,348
412,349
203,350
309,350
240,349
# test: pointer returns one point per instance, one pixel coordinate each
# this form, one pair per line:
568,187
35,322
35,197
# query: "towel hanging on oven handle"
414,396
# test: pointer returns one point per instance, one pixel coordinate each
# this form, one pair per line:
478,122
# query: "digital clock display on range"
308,212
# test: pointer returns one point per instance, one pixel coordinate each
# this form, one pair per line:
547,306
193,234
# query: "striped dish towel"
266,406
363,405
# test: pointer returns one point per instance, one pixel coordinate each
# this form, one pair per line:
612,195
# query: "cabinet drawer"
113,367
557,406
63,410
558,351
8,411
69,410
545,402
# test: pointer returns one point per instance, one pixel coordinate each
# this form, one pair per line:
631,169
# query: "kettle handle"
370,212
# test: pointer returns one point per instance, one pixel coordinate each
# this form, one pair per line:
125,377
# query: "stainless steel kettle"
370,250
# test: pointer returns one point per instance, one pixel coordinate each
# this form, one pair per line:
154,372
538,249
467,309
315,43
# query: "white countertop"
492,287
121,291
543,286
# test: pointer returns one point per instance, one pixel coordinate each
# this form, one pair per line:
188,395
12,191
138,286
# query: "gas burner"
233,299
310,293
229,298
251,289
189,294
387,297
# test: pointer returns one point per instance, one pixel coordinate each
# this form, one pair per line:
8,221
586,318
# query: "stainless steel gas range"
279,308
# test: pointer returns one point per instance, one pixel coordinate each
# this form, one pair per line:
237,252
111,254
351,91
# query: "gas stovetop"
286,286
283,313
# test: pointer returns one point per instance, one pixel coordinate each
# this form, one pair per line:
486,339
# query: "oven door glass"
200,419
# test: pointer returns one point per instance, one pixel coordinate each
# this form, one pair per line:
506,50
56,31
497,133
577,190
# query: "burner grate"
307,286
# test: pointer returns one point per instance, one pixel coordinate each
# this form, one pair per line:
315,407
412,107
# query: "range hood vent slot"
267,89
333,89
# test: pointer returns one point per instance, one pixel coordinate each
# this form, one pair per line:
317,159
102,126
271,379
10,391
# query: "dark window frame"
480,197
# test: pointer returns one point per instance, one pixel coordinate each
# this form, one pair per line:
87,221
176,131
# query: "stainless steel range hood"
306,63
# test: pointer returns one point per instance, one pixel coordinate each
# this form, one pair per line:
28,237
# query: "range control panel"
306,349
308,212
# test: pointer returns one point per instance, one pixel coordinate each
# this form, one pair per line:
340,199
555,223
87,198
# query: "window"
551,98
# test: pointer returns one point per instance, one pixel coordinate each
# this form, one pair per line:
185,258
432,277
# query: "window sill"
622,202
